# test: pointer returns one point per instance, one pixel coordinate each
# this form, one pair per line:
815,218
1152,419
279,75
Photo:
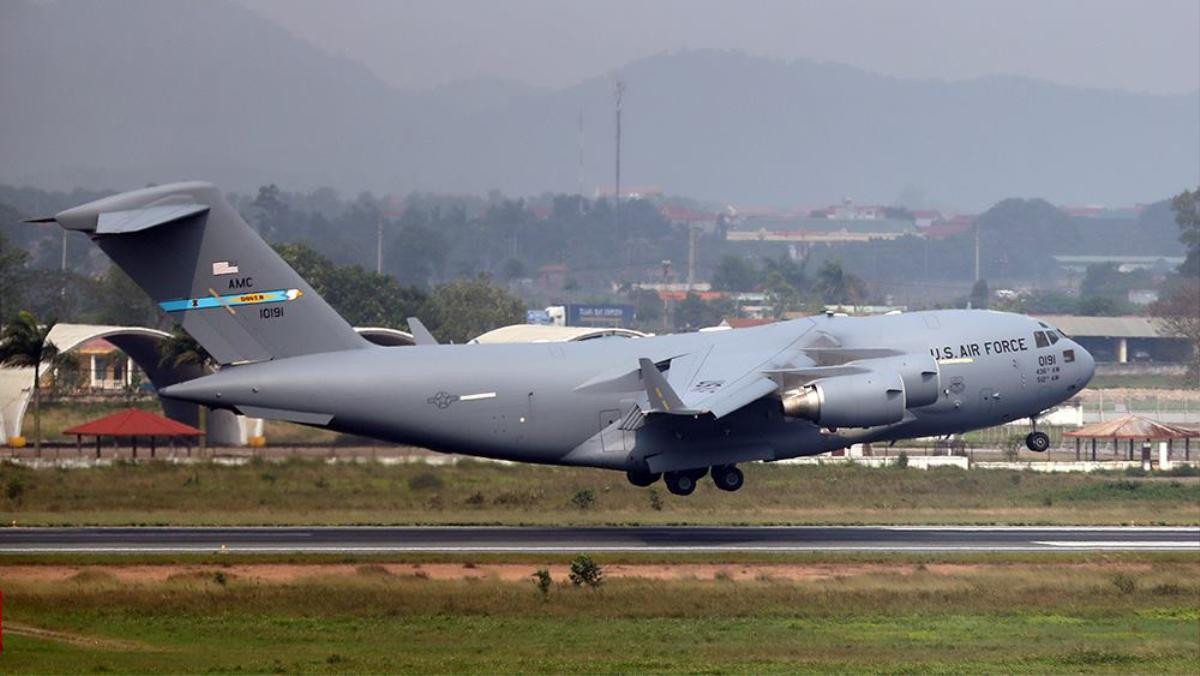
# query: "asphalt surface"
622,539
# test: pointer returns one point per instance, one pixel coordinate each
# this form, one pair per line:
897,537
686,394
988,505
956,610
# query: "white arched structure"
381,335
139,343
549,333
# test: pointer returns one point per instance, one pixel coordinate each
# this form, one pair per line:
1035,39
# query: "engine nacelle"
921,376
858,400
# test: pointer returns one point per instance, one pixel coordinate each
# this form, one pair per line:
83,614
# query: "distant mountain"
113,95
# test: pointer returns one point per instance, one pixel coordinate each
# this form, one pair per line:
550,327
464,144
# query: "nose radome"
1087,365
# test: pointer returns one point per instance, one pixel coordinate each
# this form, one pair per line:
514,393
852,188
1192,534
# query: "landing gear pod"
860,400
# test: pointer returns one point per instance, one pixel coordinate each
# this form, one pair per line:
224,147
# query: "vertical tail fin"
196,257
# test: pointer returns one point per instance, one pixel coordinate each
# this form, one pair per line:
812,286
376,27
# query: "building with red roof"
131,424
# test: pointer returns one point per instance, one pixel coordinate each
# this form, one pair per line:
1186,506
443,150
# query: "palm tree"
181,349
24,343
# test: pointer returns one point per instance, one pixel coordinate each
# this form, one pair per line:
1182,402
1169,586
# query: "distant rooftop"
1107,327
549,333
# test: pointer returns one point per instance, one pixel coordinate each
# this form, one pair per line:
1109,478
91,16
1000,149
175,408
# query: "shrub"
902,460
656,501
586,571
1124,583
425,481
1183,470
583,498
541,578
219,578
15,489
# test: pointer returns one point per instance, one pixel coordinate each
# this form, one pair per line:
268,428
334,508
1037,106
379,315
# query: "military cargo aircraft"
675,407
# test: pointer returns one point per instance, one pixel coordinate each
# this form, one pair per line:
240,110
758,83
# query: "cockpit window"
1039,337
1053,336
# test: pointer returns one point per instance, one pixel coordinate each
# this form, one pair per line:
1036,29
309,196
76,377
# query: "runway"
597,539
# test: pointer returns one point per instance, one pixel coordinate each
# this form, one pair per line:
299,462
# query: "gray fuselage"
562,403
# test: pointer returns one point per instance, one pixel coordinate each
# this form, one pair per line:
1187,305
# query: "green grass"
315,492
1076,613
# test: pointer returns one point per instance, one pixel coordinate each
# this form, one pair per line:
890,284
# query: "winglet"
420,334
662,397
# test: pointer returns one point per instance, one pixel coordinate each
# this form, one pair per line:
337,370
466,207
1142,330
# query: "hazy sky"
1147,45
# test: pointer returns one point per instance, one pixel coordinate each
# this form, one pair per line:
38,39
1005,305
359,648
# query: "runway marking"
203,529
568,549
1132,544
1120,529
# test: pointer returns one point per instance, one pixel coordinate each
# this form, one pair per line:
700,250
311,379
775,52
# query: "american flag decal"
224,268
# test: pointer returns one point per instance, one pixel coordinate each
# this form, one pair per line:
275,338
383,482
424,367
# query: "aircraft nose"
1086,364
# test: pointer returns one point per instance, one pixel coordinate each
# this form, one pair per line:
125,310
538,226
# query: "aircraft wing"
719,382
710,397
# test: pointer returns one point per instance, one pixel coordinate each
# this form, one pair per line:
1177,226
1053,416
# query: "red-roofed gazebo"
132,423
1133,428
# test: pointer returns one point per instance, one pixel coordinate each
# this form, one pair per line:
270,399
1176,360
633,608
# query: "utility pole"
579,169
977,250
379,245
693,236
620,93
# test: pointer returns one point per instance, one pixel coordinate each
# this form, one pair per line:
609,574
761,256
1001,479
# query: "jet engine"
857,400
921,376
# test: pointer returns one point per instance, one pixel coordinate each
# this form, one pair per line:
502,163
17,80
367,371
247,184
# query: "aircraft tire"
642,479
680,483
1039,442
728,477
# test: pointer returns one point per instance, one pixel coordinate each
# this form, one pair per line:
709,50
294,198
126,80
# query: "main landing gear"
683,482
1036,441
728,477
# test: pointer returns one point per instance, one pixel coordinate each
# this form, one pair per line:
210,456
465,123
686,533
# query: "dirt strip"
93,642
508,572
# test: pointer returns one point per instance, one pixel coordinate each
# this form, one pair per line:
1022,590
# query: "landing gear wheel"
1038,442
642,479
728,477
680,483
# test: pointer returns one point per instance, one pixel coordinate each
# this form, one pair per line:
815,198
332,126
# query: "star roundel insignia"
442,399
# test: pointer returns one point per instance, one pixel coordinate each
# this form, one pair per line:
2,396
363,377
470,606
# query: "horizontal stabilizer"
136,220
